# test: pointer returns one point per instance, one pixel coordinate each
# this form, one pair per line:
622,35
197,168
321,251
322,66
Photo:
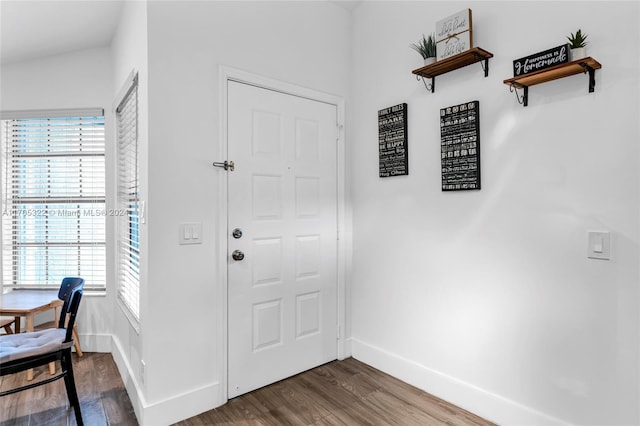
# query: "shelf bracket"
524,101
430,87
485,65
592,76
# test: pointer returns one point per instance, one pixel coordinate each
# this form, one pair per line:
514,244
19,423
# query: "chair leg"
76,341
70,384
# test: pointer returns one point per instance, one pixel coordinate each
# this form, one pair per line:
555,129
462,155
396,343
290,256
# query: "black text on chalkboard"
393,149
460,146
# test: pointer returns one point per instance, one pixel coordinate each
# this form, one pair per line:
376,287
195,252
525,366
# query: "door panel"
282,194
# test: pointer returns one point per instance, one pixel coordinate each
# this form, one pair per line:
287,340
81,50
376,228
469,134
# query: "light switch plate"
599,245
190,233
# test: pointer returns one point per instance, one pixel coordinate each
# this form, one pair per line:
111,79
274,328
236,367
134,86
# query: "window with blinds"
53,198
128,201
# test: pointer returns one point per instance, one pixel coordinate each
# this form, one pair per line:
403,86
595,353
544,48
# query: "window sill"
94,293
135,324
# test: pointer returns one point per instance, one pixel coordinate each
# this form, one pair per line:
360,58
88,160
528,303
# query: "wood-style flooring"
103,398
339,393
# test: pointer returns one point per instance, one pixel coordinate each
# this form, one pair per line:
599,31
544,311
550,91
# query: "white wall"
129,50
304,43
486,298
177,48
75,80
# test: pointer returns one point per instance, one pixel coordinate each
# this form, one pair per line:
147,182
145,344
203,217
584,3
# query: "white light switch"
191,233
599,245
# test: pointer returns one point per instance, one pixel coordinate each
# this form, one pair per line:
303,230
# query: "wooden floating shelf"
468,57
580,66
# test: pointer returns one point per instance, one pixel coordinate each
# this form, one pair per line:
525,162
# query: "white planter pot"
430,60
578,53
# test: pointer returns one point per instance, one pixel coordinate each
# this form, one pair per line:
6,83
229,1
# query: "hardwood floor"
339,393
103,398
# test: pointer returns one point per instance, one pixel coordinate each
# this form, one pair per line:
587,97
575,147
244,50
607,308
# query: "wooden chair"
23,351
5,322
54,323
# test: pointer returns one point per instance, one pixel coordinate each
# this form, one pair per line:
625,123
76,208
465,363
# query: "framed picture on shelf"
454,34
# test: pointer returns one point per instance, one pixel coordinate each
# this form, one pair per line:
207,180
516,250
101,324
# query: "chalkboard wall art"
454,34
393,149
460,146
541,60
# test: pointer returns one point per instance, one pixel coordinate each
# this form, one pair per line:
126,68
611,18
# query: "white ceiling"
37,28
31,29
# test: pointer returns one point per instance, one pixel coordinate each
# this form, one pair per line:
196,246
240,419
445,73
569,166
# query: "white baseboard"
130,383
168,411
485,404
96,342
182,406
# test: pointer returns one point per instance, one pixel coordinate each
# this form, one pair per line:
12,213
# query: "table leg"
28,328
16,326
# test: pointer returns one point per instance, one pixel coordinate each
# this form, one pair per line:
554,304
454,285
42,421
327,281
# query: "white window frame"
67,143
128,200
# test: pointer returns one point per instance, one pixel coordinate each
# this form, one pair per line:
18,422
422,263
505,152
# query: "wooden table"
28,303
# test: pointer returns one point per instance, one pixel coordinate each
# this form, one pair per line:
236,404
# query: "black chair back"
69,286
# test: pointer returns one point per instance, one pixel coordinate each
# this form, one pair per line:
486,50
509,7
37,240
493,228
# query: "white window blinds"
53,198
128,201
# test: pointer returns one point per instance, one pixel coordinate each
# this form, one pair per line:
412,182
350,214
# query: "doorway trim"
227,74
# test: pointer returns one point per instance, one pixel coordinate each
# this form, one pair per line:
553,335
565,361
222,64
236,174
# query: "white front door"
282,199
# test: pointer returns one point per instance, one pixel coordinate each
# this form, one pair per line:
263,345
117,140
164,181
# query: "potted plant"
577,44
426,48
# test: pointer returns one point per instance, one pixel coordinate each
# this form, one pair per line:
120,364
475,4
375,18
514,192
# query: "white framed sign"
454,34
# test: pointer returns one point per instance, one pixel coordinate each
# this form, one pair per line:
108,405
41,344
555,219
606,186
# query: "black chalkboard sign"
460,146
541,60
393,149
